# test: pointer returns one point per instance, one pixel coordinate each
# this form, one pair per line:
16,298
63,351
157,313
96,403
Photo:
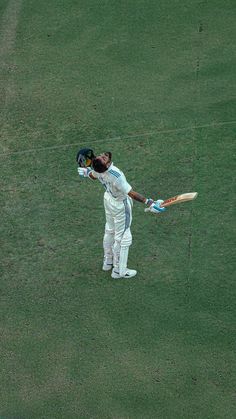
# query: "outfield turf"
154,82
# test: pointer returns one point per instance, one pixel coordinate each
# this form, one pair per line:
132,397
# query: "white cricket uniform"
118,210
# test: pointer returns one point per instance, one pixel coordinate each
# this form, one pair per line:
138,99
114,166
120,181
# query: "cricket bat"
178,199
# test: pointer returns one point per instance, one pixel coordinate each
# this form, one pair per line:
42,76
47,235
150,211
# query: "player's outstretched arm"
140,198
153,206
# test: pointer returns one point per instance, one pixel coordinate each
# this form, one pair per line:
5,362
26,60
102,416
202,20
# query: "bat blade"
178,199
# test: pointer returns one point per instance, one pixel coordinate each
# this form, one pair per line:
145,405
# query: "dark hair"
99,166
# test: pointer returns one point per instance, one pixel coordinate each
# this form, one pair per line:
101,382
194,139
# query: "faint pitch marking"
122,137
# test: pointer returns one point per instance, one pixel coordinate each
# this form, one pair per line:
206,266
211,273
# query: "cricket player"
118,202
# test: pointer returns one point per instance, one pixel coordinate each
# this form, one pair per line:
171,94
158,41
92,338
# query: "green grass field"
154,82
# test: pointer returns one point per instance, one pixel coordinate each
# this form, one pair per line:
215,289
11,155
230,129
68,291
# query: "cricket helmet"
85,157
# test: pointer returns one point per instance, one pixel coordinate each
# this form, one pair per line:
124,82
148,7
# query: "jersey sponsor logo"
108,188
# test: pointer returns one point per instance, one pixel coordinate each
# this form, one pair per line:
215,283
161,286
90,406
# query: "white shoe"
107,265
128,274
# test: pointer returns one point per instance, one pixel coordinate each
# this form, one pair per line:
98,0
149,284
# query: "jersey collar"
110,167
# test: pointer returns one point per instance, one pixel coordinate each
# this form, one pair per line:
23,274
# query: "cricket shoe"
107,265
128,274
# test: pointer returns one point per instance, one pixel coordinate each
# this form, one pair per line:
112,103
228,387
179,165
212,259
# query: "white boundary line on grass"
145,134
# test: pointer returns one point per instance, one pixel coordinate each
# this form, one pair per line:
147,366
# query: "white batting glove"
156,207
84,171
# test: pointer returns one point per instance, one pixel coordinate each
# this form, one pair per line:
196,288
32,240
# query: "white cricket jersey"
114,181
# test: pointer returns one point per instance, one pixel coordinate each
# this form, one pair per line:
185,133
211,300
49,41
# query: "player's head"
85,157
102,162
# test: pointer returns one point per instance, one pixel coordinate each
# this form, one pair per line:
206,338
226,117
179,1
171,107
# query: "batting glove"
84,171
156,207
149,202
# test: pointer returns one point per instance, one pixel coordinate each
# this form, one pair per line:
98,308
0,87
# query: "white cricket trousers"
117,227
